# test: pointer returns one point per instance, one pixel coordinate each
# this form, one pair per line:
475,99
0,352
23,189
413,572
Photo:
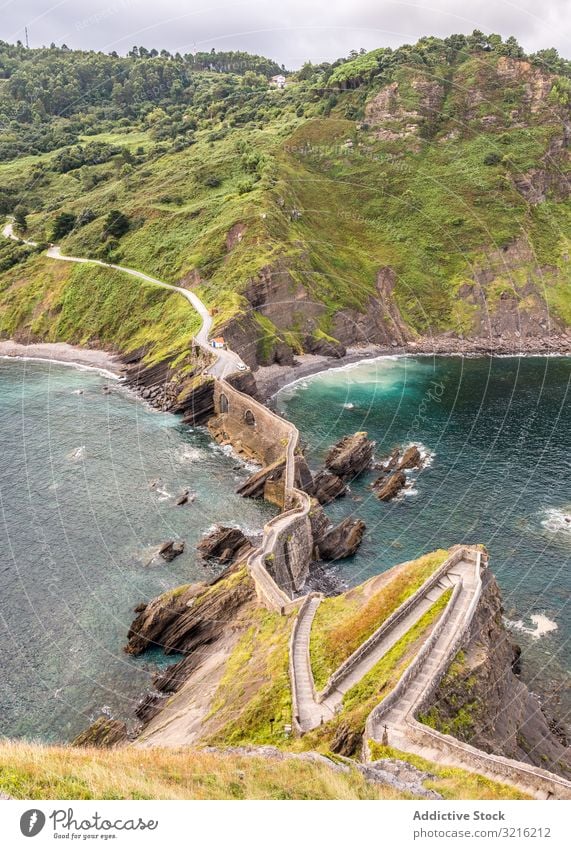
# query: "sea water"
496,436
88,480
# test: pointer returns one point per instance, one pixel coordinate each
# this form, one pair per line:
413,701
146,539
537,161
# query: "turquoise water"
499,442
78,525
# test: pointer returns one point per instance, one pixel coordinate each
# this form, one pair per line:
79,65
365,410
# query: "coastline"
271,379
64,354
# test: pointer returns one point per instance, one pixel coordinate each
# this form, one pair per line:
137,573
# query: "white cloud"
288,30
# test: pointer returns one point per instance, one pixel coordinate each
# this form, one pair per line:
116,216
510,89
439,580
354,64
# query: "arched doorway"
249,418
223,403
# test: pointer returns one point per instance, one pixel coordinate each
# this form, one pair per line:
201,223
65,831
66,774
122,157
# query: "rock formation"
224,545
334,542
171,549
341,540
255,485
400,459
184,498
350,456
184,619
102,734
165,388
388,487
327,487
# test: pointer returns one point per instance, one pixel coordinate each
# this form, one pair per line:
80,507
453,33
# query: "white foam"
348,406
249,465
557,521
81,366
190,454
77,454
426,455
542,625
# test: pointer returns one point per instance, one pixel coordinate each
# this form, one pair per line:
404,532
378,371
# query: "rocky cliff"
482,701
425,213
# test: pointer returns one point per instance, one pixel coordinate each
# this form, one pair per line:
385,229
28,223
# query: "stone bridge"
281,565
279,568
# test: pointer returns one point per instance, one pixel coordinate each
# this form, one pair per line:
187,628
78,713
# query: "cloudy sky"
290,31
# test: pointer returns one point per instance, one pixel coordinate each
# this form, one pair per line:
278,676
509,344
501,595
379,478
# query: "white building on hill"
279,81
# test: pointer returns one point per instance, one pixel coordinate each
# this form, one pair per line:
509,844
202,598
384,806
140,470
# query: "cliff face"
433,221
481,701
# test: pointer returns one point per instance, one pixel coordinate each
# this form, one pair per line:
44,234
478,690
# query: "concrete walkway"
310,709
310,713
395,716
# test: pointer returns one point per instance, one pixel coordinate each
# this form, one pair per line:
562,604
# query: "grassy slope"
29,771
253,701
343,622
90,305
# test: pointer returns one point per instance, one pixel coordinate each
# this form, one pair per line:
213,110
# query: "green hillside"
389,196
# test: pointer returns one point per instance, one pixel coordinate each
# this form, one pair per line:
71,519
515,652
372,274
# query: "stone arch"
223,403
249,418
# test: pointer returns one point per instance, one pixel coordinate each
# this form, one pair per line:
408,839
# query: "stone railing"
414,669
353,660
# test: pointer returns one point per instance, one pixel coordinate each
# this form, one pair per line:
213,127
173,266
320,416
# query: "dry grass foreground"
31,771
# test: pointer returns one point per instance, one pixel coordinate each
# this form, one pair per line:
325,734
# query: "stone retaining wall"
249,426
287,542
297,729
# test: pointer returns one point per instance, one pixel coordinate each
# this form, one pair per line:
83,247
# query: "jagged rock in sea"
102,734
342,540
255,485
186,497
177,622
351,455
171,549
411,459
149,706
387,488
334,542
224,545
327,487
482,702
401,459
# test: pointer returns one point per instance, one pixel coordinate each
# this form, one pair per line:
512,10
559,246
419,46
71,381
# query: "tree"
512,49
20,219
63,224
116,224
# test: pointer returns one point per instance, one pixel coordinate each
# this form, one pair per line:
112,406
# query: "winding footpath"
226,362
314,708
393,721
